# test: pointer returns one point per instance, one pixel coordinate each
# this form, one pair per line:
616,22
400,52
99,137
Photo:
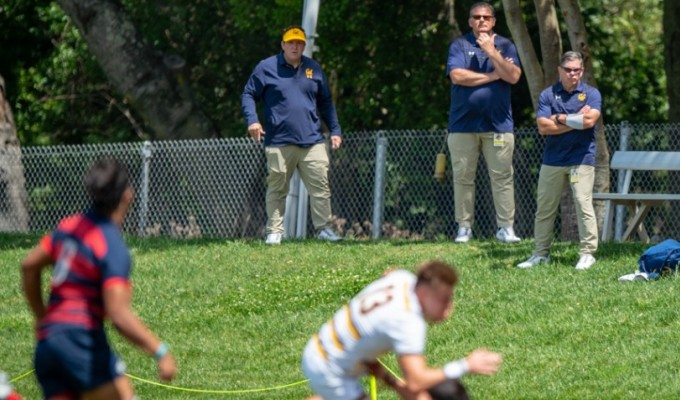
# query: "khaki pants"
312,165
551,181
497,149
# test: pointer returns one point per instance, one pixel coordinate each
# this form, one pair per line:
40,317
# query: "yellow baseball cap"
294,33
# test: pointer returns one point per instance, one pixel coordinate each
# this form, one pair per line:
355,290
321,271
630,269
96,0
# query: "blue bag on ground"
660,259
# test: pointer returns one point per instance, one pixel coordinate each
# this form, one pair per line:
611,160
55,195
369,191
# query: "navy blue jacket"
295,100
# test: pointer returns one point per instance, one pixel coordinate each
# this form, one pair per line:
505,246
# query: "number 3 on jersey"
69,249
375,299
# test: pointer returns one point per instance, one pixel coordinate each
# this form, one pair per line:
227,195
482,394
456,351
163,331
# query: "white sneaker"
507,235
585,261
464,235
533,261
273,238
328,234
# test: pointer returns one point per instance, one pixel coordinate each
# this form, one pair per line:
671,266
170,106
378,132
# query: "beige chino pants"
497,149
551,181
312,165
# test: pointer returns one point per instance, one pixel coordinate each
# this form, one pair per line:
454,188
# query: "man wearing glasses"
567,114
482,67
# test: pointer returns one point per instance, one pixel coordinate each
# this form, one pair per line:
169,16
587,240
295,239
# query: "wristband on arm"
574,121
456,369
161,351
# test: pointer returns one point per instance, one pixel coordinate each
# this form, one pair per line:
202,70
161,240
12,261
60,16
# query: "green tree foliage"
626,38
22,40
385,61
61,94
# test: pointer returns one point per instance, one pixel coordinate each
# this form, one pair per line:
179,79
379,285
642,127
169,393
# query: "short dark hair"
106,181
571,56
435,271
483,4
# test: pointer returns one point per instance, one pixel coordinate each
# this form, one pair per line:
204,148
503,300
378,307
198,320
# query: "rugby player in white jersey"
390,314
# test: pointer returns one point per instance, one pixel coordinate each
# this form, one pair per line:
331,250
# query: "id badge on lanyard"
498,140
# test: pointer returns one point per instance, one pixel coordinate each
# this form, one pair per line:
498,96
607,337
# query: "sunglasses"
482,17
571,70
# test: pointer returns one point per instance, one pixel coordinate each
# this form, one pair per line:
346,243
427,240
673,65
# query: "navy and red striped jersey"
88,254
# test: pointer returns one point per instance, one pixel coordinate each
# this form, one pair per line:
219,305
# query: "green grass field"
237,315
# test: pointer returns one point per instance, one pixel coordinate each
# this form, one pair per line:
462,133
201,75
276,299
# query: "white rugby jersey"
385,316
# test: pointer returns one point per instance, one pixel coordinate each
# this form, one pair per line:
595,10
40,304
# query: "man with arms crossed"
390,314
567,114
482,67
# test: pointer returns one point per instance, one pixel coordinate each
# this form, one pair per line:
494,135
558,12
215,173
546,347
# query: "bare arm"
556,124
419,377
117,302
395,383
504,68
31,268
465,77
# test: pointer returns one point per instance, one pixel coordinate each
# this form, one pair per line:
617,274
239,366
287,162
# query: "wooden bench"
639,203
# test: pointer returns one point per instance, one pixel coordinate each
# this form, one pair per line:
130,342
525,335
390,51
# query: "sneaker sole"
521,266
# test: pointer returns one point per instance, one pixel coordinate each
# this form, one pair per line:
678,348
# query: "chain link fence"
216,187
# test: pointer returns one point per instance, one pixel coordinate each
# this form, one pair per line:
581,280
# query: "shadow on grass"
566,253
560,251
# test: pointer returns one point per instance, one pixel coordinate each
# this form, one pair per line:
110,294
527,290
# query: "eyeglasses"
571,70
482,17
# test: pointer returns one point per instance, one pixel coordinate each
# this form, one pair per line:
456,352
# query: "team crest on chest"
581,96
309,73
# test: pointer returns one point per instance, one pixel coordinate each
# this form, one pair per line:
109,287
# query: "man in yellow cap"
295,94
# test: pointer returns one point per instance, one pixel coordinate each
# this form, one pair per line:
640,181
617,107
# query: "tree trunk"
520,35
551,51
153,83
450,7
671,29
551,39
13,203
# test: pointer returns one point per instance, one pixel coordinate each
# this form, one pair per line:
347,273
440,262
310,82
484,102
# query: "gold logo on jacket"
582,96
309,73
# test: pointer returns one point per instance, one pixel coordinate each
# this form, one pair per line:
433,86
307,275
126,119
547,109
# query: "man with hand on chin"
482,66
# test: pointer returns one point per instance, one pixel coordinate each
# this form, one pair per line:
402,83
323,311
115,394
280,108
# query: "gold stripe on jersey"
407,305
319,347
350,324
334,335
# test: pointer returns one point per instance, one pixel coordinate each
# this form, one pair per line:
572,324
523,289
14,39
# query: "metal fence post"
297,202
620,209
379,185
144,188
302,205
290,217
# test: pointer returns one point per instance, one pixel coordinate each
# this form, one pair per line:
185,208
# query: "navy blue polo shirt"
484,108
294,100
576,147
